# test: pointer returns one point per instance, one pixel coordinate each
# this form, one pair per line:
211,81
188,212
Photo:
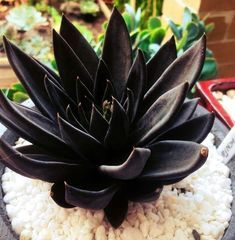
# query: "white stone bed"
204,208
227,100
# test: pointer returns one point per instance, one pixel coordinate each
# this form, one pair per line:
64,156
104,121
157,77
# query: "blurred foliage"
148,37
16,93
8,31
51,11
37,47
89,7
143,22
25,17
148,8
191,29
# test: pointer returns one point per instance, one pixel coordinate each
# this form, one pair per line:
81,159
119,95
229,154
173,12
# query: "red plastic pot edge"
204,90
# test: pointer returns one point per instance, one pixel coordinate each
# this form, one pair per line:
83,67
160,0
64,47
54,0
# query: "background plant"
191,29
148,37
16,93
25,17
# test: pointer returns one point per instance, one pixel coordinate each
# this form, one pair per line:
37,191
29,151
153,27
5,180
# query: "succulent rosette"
106,130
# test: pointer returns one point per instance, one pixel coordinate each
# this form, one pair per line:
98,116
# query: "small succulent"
191,29
107,130
24,17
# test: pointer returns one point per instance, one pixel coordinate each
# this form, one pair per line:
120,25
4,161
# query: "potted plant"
106,132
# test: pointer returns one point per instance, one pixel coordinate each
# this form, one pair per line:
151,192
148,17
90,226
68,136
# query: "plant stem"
133,4
154,12
104,9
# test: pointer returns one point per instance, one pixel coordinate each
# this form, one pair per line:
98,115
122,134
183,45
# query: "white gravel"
205,206
227,100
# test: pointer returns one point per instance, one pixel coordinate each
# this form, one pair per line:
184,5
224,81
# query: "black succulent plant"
106,130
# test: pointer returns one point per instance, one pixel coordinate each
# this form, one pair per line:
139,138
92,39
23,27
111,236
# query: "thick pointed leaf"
160,61
173,160
102,75
118,127
96,199
98,125
186,68
81,142
82,116
131,168
117,52
52,75
159,114
69,65
72,119
31,74
109,92
185,113
29,149
116,210
80,46
54,170
58,195
82,94
129,104
58,97
13,117
194,130
36,117
146,197
136,82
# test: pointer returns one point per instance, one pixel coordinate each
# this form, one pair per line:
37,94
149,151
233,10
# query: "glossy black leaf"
186,112
98,125
136,82
51,171
58,97
131,168
80,46
31,74
13,117
81,142
160,61
51,74
117,52
102,75
69,65
90,199
186,68
117,208
146,197
118,127
58,195
173,159
188,131
159,114
72,119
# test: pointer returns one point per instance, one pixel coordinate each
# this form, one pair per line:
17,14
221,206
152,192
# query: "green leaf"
210,27
19,97
137,17
209,69
182,42
193,31
153,48
154,23
187,17
175,29
157,35
129,21
19,87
